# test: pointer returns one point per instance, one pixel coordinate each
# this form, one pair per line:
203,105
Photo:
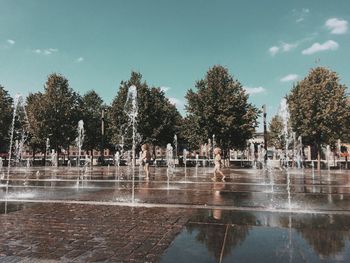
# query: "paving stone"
54,232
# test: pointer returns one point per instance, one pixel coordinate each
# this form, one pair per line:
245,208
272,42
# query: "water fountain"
175,149
117,158
213,146
19,134
328,156
54,159
170,159
131,110
284,114
80,139
299,153
87,161
19,130
252,154
47,149
185,157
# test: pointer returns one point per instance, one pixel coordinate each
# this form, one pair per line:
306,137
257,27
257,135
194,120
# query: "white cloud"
80,59
254,90
288,47
282,47
11,41
337,26
317,47
289,77
165,89
274,50
48,51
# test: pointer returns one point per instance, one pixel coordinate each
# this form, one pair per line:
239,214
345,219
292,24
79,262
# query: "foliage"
91,110
36,115
59,112
157,121
220,106
318,108
5,118
275,133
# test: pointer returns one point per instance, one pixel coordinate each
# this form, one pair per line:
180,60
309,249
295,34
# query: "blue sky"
267,45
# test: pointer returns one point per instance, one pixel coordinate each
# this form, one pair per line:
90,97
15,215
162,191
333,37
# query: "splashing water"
170,159
80,139
284,114
19,130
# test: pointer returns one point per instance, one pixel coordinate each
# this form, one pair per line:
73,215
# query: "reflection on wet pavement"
261,237
255,216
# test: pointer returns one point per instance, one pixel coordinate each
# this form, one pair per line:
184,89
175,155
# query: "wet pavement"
115,215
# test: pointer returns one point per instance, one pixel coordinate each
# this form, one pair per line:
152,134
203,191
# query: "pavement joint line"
174,182
223,244
183,206
166,189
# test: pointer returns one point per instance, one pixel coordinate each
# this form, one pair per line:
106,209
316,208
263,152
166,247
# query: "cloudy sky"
267,45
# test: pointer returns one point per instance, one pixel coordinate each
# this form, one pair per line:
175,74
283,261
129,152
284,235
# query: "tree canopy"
91,108
157,121
318,108
55,113
5,118
220,107
275,134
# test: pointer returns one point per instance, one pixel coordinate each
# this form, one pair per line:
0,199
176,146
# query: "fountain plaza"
278,211
112,214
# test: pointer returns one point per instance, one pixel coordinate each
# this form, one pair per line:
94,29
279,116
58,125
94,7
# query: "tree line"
319,112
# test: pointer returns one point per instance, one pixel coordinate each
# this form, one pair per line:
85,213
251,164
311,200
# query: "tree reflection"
324,233
212,235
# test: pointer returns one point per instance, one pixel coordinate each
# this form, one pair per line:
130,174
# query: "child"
217,163
146,159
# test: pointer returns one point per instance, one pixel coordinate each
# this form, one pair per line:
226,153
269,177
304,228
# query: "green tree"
91,108
6,103
61,106
275,134
220,106
318,109
157,121
36,114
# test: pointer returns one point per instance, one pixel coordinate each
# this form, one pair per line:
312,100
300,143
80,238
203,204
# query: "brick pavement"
88,233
